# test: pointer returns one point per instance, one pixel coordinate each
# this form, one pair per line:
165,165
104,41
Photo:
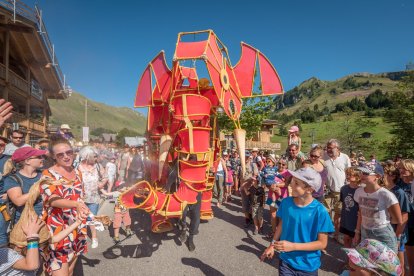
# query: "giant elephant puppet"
182,121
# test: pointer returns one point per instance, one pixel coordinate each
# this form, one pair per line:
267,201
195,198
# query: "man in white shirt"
17,141
336,163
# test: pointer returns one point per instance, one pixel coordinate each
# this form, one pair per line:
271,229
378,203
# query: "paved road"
223,247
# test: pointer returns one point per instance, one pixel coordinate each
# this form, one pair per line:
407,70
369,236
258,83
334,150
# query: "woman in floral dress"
62,202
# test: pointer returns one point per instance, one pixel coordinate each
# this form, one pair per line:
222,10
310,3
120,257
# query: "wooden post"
6,53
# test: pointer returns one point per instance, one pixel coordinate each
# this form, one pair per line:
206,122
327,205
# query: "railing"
18,8
18,82
263,145
28,123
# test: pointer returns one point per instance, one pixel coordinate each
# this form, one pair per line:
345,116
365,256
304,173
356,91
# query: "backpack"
11,208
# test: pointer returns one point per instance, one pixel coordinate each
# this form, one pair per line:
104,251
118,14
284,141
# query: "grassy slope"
323,131
72,112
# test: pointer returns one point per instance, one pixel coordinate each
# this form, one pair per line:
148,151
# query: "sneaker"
116,240
190,245
94,243
255,232
183,236
128,232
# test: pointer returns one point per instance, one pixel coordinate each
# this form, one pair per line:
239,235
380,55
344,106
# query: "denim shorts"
93,207
385,235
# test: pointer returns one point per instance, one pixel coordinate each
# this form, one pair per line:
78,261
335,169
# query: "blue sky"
104,46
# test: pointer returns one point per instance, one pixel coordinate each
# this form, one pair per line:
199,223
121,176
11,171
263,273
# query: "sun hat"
371,168
64,126
293,129
374,255
24,153
225,153
272,158
255,149
309,176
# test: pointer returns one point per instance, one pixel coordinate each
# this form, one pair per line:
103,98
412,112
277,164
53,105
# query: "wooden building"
29,70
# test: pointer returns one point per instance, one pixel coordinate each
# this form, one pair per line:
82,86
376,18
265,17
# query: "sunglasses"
281,164
68,153
37,157
314,156
17,137
292,150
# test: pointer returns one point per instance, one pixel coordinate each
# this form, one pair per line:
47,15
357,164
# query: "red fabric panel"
214,54
237,104
143,95
197,107
271,83
201,139
215,79
162,75
232,80
244,70
190,50
184,193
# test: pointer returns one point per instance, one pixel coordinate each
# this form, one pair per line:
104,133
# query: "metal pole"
86,112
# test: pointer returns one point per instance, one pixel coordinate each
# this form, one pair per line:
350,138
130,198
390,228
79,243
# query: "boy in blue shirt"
303,227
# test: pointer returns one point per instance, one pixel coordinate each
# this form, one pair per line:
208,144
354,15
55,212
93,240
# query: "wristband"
33,240
273,242
32,245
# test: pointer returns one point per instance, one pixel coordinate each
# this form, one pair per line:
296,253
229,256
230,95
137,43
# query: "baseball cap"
225,153
24,153
309,176
371,168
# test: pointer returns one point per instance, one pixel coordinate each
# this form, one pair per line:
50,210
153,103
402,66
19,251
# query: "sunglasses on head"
68,153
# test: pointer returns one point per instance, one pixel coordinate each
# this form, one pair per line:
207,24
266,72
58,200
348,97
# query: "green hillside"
323,96
72,111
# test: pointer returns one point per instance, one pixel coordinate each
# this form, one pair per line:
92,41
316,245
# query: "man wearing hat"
17,141
64,132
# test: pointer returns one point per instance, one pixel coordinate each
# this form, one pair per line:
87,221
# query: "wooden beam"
15,28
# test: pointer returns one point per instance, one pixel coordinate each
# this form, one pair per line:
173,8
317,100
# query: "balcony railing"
28,123
18,8
15,80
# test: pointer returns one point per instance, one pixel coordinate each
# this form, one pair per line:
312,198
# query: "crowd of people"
366,205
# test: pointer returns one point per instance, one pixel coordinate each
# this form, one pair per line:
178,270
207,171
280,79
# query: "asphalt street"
223,247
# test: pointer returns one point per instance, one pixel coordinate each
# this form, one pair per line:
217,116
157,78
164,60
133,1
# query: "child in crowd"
376,206
303,227
121,215
294,138
257,198
391,176
277,191
349,213
111,172
269,171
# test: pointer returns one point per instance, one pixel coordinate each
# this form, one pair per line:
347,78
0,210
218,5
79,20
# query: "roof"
270,122
135,141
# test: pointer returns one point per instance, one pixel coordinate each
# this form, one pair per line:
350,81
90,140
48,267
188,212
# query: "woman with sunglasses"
318,164
28,162
62,203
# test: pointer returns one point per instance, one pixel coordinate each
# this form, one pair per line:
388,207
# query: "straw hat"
64,126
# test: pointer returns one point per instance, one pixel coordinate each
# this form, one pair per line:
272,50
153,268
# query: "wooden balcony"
15,80
28,123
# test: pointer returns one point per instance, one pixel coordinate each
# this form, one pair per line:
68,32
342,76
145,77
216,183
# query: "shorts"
245,203
111,178
385,235
286,269
337,204
93,207
121,217
257,212
275,204
229,184
346,232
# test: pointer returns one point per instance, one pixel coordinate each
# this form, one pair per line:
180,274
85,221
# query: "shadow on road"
205,268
